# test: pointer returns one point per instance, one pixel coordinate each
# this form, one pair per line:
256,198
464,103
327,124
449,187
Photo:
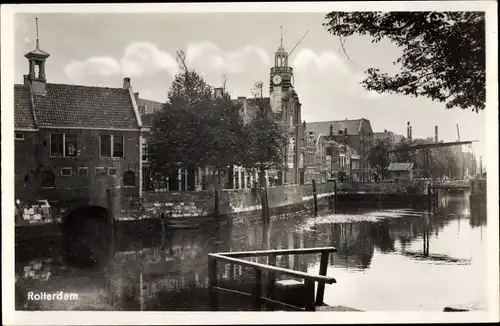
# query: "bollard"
315,198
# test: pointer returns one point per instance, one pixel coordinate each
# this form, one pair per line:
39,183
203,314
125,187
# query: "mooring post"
257,291
216,204
111,222
323,266
429,197
265,206
315,198
335,196
309,295
212,282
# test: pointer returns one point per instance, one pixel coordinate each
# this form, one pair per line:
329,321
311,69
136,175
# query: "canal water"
388,259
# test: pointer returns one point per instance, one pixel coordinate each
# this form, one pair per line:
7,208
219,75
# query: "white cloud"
139,58
327,62
146,59
208,57
101,66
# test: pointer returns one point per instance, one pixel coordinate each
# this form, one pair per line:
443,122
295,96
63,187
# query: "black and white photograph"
183,161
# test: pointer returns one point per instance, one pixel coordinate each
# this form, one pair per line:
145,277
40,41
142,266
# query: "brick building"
73,142
356,134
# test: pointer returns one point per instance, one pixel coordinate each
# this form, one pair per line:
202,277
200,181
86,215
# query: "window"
112,171
19,136
129,179
111,145
83,171
63,145
99,171
48,179
66,172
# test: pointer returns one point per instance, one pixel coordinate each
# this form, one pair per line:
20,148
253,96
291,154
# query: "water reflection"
169,272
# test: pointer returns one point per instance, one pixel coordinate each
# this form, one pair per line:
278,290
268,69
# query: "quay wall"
236,201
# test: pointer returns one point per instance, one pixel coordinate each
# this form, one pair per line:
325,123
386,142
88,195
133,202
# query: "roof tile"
78,106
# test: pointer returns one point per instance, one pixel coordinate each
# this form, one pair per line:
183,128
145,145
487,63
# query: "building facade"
74,142
356,134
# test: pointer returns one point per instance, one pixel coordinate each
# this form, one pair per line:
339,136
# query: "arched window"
48,179
301,162
291,153
129,179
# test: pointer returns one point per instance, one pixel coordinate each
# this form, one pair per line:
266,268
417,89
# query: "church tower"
286,110
36,76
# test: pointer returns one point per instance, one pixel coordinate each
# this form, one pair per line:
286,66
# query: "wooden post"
322,271
212,281
429,198
216,205
335,196
309,295
271,279
257,291
141,292
111,222
265,206
315,198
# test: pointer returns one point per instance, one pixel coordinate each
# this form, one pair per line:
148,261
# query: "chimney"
218,92
136,96
304,124
126,82
331,130
436,134
345,131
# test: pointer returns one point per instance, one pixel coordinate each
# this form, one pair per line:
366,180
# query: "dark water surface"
387,259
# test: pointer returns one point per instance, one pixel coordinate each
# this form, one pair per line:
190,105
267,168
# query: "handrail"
316,278
280,252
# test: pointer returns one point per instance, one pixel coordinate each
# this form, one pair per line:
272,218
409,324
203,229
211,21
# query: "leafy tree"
443,53
264,141
378,156
257,89
194,129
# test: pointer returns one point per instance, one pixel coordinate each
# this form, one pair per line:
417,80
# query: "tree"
378,156
264,141
443,53
194,129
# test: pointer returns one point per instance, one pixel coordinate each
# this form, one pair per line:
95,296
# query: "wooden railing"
272,270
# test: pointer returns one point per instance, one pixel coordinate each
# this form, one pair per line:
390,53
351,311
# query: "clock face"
277,79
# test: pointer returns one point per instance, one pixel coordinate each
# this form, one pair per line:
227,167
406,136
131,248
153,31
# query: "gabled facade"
74,142
357,134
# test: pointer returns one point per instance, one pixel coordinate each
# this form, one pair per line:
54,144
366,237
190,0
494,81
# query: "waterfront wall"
235,201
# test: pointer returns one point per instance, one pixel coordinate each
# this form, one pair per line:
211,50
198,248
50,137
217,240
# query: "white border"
190,318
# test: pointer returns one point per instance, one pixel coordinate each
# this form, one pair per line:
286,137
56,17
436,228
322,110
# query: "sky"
101,49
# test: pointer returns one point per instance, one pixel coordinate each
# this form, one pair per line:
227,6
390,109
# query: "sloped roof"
323,127
76,106
23,115
400,166
149,105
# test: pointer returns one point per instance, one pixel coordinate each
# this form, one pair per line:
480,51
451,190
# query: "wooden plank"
323,267
262,267
257,291
280,252
212,283
309,295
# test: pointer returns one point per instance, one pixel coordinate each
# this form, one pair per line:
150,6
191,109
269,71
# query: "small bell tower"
36,75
